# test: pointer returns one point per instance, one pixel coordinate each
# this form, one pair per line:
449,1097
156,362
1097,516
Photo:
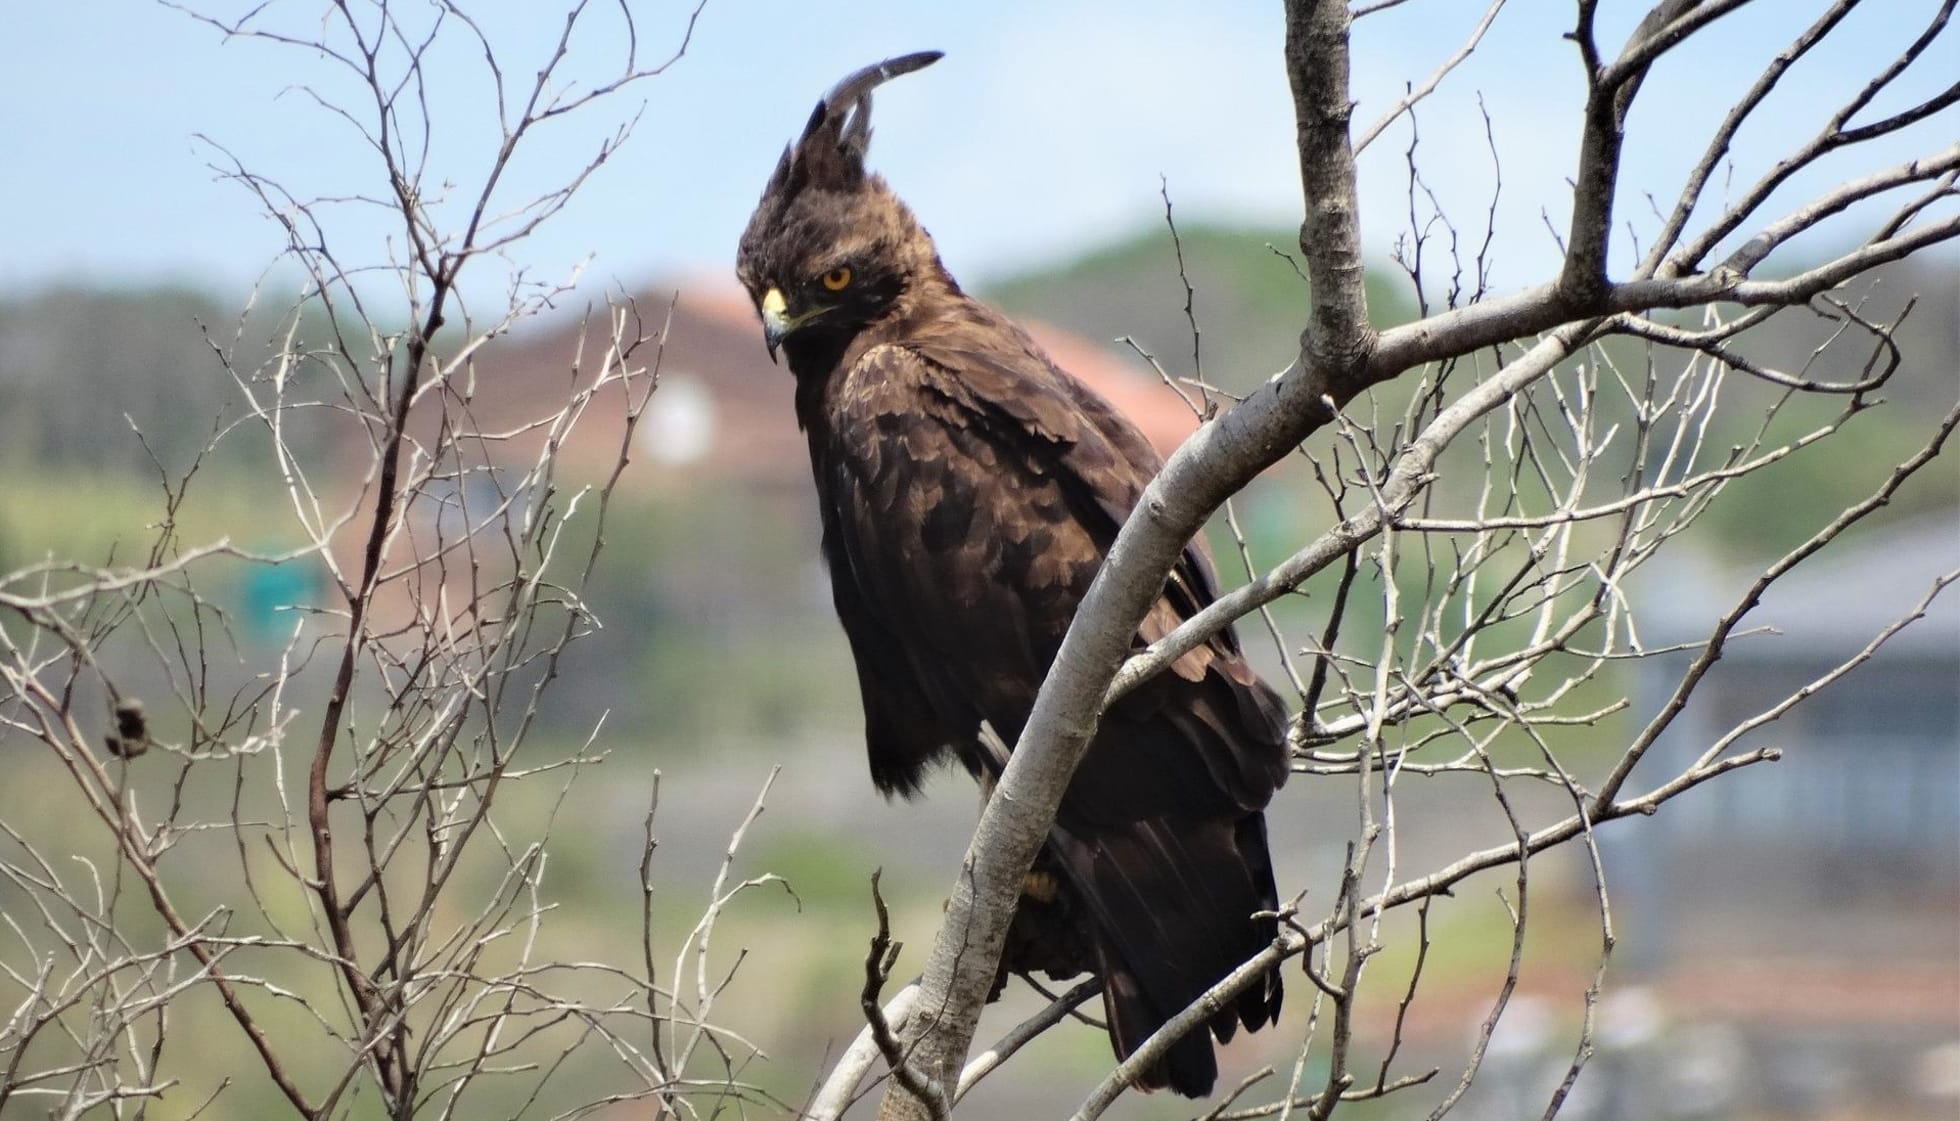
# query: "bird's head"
829,248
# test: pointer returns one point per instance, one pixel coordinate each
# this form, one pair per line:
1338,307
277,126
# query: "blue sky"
1043,132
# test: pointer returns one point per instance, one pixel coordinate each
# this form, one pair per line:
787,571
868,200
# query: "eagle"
968,490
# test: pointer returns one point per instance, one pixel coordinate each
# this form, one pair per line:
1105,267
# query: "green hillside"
1249,300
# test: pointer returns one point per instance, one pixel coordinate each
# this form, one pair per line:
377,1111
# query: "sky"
1049,128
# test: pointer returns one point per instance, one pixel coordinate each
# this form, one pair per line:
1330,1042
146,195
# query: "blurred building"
723,410
1797,925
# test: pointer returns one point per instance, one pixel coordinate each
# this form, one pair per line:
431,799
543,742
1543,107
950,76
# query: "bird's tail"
1173,901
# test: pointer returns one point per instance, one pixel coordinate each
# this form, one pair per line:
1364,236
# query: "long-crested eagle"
969,490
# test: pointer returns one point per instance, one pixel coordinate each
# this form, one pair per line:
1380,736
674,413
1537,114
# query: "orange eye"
837,279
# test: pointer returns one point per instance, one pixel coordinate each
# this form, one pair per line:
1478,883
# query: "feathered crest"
831,150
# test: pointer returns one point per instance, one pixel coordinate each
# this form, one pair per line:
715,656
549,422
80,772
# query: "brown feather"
969,490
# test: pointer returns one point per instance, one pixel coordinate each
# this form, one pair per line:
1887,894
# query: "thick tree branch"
1337,336
1610,94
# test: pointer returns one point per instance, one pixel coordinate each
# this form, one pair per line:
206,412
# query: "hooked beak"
776,322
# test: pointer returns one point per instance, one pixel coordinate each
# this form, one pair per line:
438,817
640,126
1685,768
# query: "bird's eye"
837,279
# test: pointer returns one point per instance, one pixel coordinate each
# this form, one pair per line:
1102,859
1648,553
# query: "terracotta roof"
724,400
1155,408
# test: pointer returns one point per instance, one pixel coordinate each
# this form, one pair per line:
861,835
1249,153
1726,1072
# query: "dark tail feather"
1189,1068
1259,1005
1172,901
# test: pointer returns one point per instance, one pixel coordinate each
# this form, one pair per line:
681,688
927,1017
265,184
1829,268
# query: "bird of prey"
969,490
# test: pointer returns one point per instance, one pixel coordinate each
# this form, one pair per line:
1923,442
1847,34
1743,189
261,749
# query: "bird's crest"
830,153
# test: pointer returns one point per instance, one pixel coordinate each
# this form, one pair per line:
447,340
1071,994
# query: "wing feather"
970,490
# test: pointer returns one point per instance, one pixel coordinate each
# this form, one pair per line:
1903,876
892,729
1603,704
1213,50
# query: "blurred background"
1790,937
